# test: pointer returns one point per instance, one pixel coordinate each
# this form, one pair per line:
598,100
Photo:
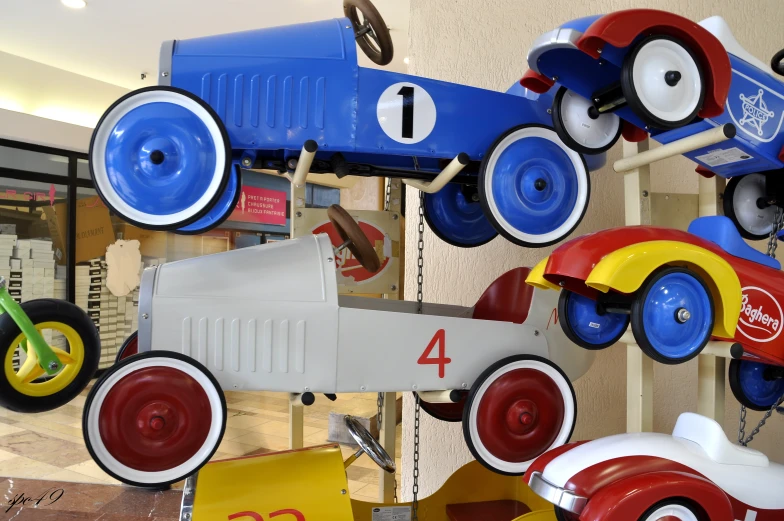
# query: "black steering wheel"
777,62
371,32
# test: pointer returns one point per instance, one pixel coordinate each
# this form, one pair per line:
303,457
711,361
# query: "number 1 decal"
406,112
440,360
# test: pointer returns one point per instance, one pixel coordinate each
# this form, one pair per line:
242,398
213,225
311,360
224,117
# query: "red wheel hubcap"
520,415
155,419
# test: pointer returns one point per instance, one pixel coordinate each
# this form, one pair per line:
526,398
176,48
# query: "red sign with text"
260,205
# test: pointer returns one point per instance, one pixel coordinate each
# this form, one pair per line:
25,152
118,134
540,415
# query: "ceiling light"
405,60
74,4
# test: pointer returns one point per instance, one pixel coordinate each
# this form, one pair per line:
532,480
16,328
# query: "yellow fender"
625,270
536,277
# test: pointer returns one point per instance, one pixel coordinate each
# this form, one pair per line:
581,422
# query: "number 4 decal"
440,360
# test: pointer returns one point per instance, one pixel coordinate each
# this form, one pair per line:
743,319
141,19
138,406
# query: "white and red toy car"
696,474
270,318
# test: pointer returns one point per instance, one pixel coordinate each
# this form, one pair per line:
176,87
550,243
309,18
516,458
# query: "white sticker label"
406,113
724,157
593,325
392,514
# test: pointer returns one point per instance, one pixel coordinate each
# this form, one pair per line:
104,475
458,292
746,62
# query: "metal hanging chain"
415,502
741,430
420,250
420,265
380,405
388,183
773,242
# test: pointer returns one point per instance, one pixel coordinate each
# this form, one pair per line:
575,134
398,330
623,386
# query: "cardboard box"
151,244
94,230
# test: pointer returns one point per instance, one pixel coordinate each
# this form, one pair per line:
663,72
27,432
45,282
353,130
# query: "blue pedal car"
293,100
643,71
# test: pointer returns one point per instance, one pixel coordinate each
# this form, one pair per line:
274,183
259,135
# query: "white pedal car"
269,318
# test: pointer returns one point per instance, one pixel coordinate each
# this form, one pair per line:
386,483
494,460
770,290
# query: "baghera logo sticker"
761,318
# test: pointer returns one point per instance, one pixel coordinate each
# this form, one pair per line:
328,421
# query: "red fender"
536,82
629,498
542,461
620,28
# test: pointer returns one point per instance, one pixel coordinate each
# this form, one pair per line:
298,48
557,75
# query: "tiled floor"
49,446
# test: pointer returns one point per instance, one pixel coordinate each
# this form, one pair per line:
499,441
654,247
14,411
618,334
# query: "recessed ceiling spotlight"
74,4
405,60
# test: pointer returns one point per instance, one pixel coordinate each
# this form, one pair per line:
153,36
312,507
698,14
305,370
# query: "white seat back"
709,435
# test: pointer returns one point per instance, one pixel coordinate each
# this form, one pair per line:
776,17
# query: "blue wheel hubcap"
677,315
589,325
457,219
535,185
755,387
160,158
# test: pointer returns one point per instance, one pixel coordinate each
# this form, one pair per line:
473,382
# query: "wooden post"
386,436
296,426
639,368
711,369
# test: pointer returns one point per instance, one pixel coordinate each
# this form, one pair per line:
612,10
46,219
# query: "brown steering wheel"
370,31
354,238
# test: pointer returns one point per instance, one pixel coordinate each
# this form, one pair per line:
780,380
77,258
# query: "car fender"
625,269
629,498
619,29
536,276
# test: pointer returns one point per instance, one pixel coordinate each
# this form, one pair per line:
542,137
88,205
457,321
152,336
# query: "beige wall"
484,44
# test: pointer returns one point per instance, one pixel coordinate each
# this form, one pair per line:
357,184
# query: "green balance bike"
37,376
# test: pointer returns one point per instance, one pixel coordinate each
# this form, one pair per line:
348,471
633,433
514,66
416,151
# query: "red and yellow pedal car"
679,290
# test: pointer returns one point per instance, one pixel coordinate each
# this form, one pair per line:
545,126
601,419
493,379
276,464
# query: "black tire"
50,310
563,301
690,506
633,99
434,228
638,330
112,370
447,412
777,63
386,51
733,375
728,204
563,133
133,337
226,170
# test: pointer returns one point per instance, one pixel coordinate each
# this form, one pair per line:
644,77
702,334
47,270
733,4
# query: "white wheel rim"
182,470
744,203
563,434
679,512
652,62
590,133
103,133
582,186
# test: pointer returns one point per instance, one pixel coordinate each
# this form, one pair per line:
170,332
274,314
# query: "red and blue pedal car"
646,72
294,100
679,291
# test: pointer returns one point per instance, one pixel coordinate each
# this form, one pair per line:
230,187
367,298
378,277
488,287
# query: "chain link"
773,238
415,502
380,405
420,250
420,266
773,243
388,182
